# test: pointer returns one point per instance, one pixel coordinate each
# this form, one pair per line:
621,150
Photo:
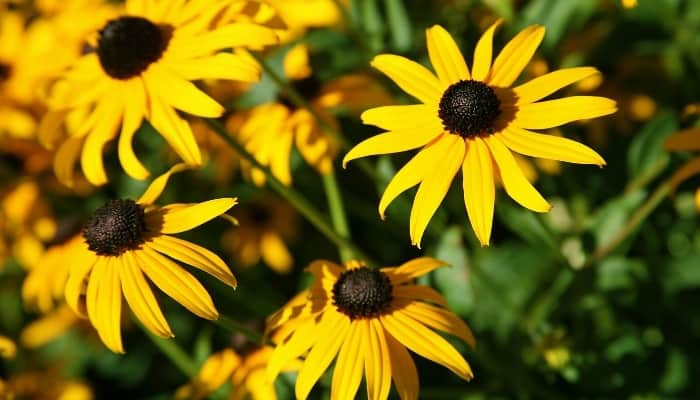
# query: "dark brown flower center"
116,227
308,88
5,71
362,293
128,45
469,108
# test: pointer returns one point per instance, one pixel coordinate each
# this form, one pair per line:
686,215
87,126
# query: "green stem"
175,353
236,327
337,211
297,200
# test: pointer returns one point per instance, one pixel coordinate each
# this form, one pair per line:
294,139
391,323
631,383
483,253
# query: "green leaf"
683,273
399,25
453,281
646,150
372,23
610,218
525,223
620,273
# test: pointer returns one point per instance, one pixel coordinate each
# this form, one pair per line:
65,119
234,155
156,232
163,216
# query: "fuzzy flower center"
116,227
469,108
362,293
128,45
5,71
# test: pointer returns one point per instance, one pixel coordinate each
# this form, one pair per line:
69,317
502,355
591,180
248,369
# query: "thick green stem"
175,353
297,200
337,211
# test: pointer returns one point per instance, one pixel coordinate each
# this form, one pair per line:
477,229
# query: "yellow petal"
108,115
377,362
514,181
548,146
479,189
134,107
296,62
403,369
303,338
177,218
445,56
440,319
176,283
412,77
552,113
426,343
412,269
515,55
348,368
104,302
483,52
141,299
275,252
65,159
240,34
156,187
435,186
391,142
79,270
401,118
196,256
688,140
182,94
547,84
332,333
419,293
218,66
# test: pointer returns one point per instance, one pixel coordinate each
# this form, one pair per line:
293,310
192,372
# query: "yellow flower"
217,369
472,120
367,317
46,383
125,239
8,349
265,225
685,140
49,326
142,67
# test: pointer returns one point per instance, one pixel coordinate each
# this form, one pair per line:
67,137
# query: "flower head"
126,239
367,317
473,121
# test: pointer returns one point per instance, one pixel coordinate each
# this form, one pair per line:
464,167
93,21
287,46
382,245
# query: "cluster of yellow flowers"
175,66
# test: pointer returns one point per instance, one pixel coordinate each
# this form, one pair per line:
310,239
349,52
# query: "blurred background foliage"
557,311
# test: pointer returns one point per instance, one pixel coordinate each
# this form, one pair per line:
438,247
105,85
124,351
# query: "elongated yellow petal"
182,94
435,186
177,218
403,369
412,77
176,283
196,256
134,104
440,319
688,140
79,270
104,302
377,362
248,35
689,169
156,187
108,115
479,189
348,368
514,181
332,333
426,343
275,252
303,338
552,113
218,66
483,52
141,299
411,174
548,146
391,142
547,84
401,118
445,56
419,293
65,159
412,269
515,55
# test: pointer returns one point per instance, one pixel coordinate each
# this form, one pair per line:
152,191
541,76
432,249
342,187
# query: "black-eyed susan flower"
127,241
266,224
686,140
367,318
142,67
473,120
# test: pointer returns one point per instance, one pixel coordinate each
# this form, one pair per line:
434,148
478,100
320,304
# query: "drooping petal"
515,56
412,269
426,343
141,299
401,118
440,319
548,146
156,187
688,140
445,56
483,52
419,293
219,66
134,106
65,159
105,296
434,187
108,115
403,369
377,362
391,142
178,218
552,113
544,85
479,189
194,255
181,93
410,76
514,181
303,338
248,35
348,368
79,270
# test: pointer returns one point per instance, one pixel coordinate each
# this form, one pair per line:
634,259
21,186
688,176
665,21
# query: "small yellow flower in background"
8,349
49,326
367,317
126,239
217,369
685,140
266,223
46,383
473,120
629,3
142,68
